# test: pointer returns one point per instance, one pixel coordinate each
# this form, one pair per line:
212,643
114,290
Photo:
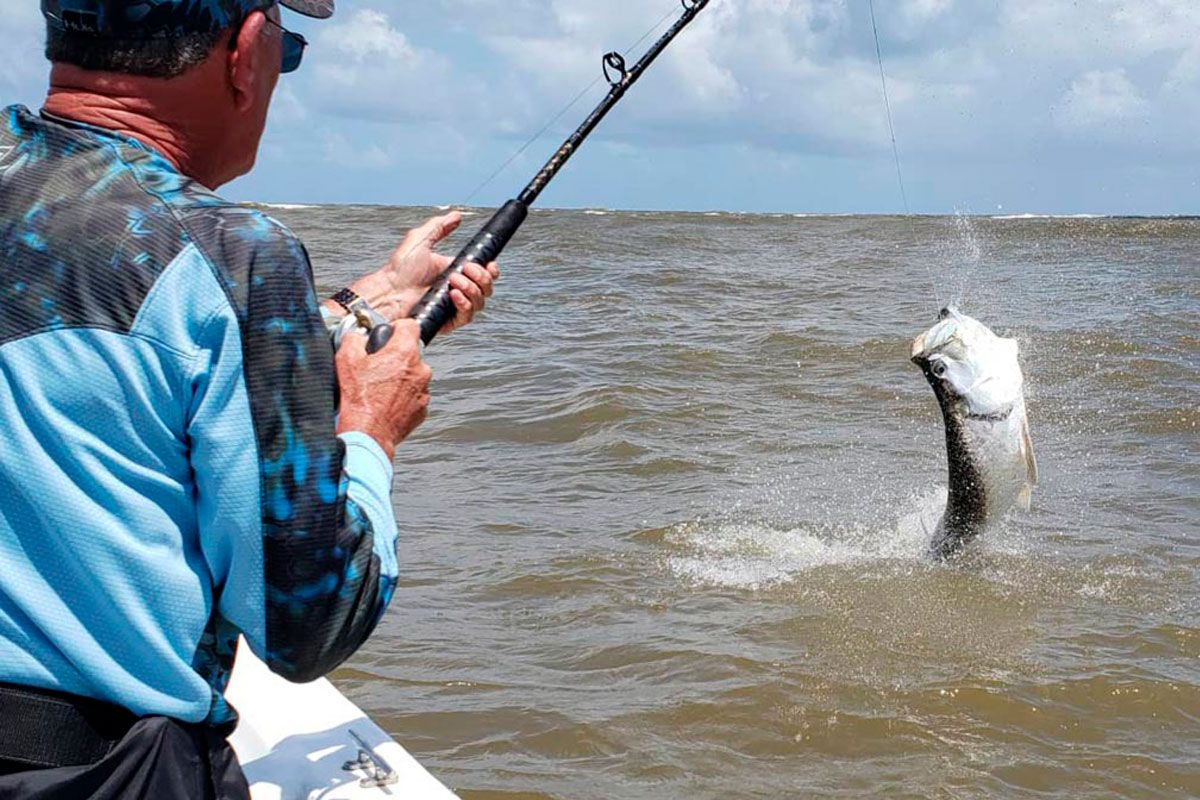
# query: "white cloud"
286,106
363,66
1099,98
367,35
1019,81
927,9
372,156
791,75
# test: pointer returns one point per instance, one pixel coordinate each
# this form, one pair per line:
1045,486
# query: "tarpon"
977,380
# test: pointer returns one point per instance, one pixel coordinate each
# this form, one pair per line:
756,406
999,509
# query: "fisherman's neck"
170,116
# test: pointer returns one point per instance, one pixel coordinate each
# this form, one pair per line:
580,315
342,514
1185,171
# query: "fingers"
385,395
470,298
352,345
407,332
435,229
470,289
481,277
465,307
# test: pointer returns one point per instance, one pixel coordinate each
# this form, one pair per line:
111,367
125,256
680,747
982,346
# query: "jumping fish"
978,383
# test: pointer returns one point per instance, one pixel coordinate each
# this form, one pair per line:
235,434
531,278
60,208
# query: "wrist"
335,309
381,295
351,422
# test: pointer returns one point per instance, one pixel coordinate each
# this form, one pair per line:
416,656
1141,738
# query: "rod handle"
436,308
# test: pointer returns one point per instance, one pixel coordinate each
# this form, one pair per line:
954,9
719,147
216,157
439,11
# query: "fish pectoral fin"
1031,467
1025,497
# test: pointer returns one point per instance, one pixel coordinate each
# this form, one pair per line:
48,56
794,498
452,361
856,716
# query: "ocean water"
663,532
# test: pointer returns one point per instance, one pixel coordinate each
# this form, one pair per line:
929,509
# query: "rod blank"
436,308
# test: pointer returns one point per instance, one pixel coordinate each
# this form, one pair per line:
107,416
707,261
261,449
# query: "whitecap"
753,555
1049,216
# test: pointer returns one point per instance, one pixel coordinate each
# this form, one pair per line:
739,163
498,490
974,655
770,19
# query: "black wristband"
347,299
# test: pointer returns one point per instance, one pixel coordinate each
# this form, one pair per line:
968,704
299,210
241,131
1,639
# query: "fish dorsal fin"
1031,468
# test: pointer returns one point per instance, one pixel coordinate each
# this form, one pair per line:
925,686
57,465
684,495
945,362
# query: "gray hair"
162,57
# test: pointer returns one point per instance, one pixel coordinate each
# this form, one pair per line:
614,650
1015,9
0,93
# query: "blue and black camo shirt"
169,472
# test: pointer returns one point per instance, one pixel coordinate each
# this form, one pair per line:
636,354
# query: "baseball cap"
148,19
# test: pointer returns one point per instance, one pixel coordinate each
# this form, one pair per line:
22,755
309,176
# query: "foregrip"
436,308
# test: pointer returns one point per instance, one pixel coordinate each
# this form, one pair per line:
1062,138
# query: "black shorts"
158,759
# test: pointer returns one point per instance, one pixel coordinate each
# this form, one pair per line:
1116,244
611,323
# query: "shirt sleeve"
369,474
295,522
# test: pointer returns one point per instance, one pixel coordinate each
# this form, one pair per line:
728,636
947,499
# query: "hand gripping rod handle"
436,308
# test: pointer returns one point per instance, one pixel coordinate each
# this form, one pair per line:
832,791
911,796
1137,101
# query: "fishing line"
437,308
542,131
887,104
529,142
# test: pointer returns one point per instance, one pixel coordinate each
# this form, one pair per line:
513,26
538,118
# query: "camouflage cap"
148,19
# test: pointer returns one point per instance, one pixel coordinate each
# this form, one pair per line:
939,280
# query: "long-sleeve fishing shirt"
170,475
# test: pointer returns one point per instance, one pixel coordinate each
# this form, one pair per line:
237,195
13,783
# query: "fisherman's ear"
246,59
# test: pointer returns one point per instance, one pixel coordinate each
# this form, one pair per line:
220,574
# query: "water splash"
963,258
754,555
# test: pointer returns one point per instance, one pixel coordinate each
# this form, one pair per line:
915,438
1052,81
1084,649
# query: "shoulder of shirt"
193,207
213,223
244,247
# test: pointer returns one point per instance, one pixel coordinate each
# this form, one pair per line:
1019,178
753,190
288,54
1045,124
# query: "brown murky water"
661,534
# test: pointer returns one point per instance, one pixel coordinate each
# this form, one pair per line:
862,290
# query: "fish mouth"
917,355
938,333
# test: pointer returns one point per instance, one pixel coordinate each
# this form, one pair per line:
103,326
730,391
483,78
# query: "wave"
1050,216
286,206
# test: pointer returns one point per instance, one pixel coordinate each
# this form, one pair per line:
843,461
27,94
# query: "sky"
1000,106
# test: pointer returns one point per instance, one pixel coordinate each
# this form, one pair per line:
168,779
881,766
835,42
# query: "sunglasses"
293,48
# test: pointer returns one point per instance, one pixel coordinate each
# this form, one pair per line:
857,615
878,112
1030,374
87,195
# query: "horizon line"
998,215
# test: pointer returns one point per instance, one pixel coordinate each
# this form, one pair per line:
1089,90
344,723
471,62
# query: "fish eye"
938,369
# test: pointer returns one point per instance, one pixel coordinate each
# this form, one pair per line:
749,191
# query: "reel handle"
436,308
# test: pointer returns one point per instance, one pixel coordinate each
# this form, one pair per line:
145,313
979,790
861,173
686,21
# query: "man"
175,467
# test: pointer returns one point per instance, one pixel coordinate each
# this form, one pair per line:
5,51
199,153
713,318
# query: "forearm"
295,521
381,294
316,624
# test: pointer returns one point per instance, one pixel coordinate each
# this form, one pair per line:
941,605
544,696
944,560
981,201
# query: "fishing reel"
367,326
360,318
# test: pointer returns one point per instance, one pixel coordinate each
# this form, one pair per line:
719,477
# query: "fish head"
971,369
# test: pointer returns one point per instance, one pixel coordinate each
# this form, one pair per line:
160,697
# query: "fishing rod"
436,308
